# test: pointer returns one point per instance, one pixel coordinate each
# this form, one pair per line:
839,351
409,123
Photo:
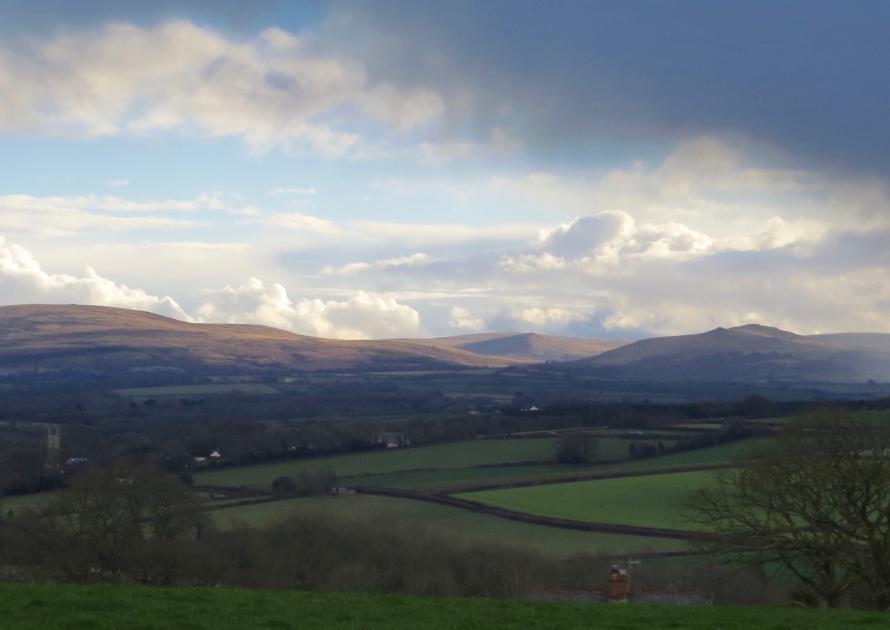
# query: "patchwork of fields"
516,474
640,493
461,525
455,464
455,455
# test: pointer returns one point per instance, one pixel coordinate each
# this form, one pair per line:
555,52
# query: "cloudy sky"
385,169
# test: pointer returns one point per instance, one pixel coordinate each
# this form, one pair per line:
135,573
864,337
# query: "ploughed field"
70,607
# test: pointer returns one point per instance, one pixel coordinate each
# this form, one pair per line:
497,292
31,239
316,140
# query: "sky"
354,169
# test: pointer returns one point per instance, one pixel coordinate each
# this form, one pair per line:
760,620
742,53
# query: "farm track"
548,521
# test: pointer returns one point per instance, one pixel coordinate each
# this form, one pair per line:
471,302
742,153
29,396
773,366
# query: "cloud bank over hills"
362,316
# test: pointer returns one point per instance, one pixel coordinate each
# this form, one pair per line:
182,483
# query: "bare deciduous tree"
113,515
815,501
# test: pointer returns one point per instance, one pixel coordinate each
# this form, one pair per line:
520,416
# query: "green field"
103,607
445,479
197,390
701,426
18,503
649,500
440,466
455,455
462,525
721,454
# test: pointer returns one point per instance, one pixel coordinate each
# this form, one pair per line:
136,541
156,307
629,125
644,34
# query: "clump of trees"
815,502
126,518
308,483
577,447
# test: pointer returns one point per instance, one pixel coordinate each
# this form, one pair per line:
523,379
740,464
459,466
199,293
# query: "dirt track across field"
506,485
549,521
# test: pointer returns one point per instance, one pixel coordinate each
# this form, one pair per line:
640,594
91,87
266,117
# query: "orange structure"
619,585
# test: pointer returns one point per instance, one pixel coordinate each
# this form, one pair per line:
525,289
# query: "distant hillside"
524,347
101,342
751,353
95,340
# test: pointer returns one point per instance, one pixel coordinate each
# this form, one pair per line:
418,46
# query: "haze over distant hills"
525,347
750,353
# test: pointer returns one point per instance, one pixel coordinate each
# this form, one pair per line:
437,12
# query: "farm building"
392,439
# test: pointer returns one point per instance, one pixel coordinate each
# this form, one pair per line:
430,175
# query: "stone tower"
53,447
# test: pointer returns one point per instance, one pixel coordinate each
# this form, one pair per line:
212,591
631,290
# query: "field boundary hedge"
534,519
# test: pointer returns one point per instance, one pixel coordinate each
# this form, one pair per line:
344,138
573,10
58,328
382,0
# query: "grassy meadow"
207,389
70,607
710,456
457,524
445,479
453,455
648,500
442,466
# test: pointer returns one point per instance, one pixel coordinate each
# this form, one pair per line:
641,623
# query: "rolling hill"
95,341
103,340
524,347
750,353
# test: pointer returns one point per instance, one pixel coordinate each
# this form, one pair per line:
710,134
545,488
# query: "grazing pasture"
709,456
445,479
461,525
252,389
647,500
454,455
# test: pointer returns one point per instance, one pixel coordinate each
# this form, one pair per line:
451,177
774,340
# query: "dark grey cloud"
805,75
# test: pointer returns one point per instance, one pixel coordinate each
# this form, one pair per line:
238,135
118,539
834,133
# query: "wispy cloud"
270,90
306,191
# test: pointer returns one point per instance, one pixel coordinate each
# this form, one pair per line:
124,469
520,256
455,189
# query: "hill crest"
749,353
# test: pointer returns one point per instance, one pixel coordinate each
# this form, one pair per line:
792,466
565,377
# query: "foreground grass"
462,526
649,500
68,607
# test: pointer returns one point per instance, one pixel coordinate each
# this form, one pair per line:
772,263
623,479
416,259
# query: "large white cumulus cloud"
24,281
360,316
270,90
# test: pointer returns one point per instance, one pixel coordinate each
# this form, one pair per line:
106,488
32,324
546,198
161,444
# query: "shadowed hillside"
748,353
